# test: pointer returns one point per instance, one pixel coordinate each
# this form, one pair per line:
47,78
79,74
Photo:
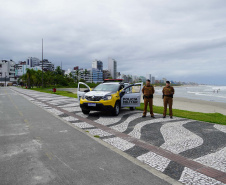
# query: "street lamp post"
5,79
42,63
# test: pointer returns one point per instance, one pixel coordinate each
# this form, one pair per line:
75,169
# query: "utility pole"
5,79
42,63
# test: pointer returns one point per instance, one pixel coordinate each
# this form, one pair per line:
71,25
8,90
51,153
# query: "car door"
130,95
81,92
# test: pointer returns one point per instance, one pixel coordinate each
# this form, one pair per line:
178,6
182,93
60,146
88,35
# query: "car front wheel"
116,109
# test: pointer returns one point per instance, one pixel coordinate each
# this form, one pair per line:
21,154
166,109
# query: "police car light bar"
113,80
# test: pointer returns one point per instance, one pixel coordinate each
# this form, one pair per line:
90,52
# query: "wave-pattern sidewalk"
189,151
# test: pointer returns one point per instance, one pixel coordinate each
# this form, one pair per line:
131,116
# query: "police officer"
168,93
148,91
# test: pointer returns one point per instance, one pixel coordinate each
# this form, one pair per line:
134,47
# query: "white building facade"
7,71
153,80
148,77
47,65
97,71
32,61
97,64
21,69
86,75
112,67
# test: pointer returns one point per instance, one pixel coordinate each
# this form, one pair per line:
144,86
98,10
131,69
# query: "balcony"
12,80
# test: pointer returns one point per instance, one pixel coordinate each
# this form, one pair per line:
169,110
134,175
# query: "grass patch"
207,117
96,136
62,93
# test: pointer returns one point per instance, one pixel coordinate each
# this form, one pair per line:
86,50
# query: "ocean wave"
223,88
190,92
205,94
213,87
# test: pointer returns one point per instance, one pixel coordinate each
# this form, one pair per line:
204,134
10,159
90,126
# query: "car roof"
112,83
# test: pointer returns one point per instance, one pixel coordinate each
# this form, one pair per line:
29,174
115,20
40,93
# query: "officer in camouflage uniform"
168,93
148,91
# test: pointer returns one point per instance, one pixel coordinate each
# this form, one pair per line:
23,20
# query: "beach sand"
193,105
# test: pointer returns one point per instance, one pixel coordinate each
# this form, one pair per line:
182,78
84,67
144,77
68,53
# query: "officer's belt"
171,95
150,96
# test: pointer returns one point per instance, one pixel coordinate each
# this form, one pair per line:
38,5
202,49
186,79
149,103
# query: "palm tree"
50,78
23,78
38,78
77,75
30,77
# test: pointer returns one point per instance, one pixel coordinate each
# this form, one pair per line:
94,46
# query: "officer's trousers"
168,101
146,102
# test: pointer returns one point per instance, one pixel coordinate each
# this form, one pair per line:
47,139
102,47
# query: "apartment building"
7,72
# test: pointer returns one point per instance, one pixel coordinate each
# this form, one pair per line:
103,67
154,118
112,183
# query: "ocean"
200,92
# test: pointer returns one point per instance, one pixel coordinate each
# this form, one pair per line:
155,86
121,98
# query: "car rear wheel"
116,109
85,111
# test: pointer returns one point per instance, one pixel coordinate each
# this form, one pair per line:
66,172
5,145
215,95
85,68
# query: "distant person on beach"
148,91
168,93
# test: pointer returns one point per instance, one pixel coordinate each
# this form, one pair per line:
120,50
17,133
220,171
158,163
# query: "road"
37,147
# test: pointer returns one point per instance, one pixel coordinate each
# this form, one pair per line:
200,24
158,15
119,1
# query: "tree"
23,78
82,80
58,70
77,75
38,78
70,75
30,77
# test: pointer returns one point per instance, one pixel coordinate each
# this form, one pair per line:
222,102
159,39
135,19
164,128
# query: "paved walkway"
189,151
37,147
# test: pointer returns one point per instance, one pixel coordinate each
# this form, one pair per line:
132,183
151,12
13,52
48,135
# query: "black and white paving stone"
98,132
191,177
69,118
188,140
199,141
119,143
154,160
82,125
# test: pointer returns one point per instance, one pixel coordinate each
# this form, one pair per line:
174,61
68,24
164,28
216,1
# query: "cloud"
176,39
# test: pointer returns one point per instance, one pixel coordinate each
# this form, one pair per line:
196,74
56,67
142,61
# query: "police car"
109,96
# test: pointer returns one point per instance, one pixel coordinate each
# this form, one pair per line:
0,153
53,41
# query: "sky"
178,40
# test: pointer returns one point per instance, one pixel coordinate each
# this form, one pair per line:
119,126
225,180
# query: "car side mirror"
87,90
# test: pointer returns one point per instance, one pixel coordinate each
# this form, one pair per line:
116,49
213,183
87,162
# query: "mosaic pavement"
199,142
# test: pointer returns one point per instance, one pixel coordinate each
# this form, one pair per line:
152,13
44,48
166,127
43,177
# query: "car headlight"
108,97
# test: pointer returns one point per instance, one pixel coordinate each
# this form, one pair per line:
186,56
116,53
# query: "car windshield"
106,87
